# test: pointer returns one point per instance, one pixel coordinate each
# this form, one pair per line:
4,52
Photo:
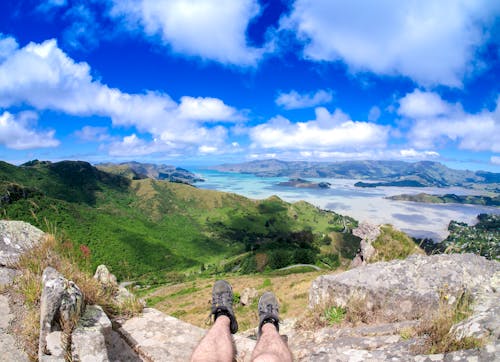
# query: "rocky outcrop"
109,283
368,234
405,289
61,305
15,238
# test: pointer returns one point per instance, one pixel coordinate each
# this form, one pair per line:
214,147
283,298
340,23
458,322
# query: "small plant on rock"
335,315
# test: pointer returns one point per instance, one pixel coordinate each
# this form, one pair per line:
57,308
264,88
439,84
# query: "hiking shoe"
268,311
222,303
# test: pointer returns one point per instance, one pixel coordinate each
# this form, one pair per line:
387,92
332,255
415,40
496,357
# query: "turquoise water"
416,219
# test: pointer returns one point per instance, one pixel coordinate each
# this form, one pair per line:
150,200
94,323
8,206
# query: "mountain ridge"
426,173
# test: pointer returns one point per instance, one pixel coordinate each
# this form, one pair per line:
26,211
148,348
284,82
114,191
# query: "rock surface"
15,238
248,295
161,338
89,336
104,276
368,234
8,347
405,289
61,305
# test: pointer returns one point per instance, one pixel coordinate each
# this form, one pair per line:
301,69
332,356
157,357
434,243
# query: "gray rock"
248,295
15,238
61,304
368,234
105,277
8,346
89,336
7,276
405,289
485,319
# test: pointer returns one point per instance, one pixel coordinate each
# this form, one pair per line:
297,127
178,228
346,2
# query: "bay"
364,204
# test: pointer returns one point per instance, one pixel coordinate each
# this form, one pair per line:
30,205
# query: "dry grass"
437,328
27,288
356,311
191,301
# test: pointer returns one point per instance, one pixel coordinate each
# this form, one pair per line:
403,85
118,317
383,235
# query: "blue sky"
193,82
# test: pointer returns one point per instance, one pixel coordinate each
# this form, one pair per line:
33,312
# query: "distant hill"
399,173
149,229
136,171
449,198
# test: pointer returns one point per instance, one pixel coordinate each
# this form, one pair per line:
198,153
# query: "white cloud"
437,122
294,100
43,76
328,131
93,134
210,29
412,153
420,104
495,160
17,132
432,42
207,149
8,45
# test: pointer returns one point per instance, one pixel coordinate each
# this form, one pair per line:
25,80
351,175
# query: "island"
301,183
401,183
449,198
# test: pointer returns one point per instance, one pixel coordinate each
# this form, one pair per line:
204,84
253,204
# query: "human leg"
270,346
217,345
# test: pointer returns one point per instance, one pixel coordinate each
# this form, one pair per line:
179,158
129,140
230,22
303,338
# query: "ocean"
364,204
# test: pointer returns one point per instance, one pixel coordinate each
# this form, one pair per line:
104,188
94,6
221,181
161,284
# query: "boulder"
61,305
248,295
15,238
105,277
90,335
109,282
368,234
405,289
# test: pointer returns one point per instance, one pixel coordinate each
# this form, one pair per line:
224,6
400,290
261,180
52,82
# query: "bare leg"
271,347
217,345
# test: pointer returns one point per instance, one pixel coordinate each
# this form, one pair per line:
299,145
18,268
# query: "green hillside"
150,229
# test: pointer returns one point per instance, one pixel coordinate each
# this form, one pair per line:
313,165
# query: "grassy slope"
140,227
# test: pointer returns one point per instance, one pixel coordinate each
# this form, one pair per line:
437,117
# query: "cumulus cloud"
437,122
18,132
430,42
294,100
213,30
43,76
412,153
495,160
328,131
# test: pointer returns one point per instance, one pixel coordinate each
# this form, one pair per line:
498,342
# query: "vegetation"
145,229
393,244
335,315
482,238
437,328
61,255
450,198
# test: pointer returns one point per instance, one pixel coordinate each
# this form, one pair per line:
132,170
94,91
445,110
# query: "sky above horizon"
195,82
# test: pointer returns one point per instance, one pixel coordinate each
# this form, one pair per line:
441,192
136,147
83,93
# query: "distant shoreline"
482,200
